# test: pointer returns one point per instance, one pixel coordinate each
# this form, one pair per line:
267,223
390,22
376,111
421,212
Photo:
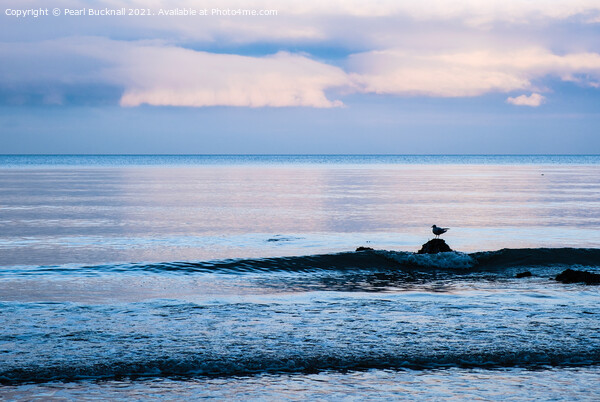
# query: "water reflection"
96,215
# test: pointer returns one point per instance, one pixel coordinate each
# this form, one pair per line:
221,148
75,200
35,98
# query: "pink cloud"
533,100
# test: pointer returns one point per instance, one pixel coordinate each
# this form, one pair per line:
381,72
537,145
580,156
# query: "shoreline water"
251,281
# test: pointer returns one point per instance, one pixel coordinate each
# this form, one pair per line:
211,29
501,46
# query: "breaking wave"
207,366
366,259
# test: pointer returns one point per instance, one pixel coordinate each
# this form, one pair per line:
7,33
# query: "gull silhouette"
438,231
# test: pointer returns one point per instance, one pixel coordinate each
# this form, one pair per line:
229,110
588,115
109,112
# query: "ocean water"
236,277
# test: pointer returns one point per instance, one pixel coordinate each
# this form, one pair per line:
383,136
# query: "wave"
533,257
386,260
204,366
450,260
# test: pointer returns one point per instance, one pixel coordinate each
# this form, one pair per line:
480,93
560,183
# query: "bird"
438,231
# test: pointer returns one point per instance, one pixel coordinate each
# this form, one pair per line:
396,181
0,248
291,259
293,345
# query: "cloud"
163,75
170,76
167,75
471,73
533,100
374,23
160,74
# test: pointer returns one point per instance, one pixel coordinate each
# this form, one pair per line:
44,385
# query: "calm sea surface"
235,277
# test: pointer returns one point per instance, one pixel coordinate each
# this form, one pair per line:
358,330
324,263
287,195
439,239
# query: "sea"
236,277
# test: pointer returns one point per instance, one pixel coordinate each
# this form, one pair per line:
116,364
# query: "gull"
438,231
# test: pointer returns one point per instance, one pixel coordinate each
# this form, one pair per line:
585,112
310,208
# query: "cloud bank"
432,48
163,75
472,73
168,76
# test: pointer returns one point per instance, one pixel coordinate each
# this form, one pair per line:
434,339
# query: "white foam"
448,260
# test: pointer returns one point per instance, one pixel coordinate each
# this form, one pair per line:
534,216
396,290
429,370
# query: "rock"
361,248
434,246
574,276
524,274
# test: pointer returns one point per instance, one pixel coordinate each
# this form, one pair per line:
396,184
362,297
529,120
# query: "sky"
300,77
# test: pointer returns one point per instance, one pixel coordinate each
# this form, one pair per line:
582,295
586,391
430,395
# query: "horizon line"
291,154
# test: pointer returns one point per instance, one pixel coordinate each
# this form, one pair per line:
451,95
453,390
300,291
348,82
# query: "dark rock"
524,274
574,276
361,248
434,246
